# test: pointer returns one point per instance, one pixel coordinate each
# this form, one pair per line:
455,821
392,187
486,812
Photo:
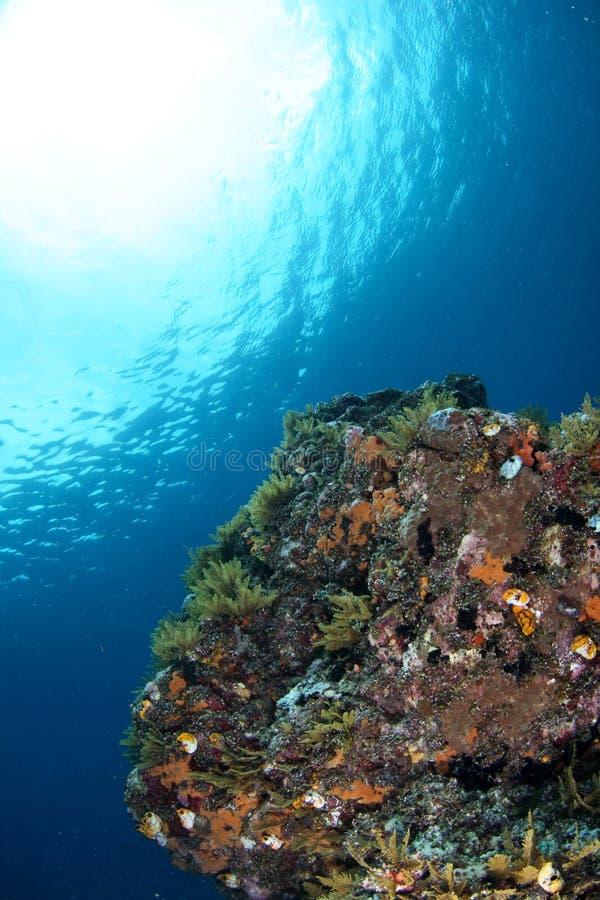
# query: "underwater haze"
210,213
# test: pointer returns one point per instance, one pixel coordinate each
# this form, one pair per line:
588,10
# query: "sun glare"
119,117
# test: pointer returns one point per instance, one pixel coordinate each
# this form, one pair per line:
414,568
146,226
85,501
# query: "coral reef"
385,678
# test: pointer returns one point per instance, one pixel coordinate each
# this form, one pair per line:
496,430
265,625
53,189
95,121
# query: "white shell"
491,429
516,597
550,879
152,824
161,839
511,467
313,798
186,817
188,743
272,841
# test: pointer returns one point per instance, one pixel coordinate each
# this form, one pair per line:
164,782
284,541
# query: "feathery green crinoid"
297,426
405,427
333,721
154,746
580,431
200,558
268,497
230,531
223,549
237,770
173,639
145,745
348,611
224,590
132,741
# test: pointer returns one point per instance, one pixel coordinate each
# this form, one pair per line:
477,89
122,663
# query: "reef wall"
384,679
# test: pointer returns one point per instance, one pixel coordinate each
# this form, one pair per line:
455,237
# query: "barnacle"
492,429
145,708
151,826
188,742
584,646
174,639
224,589
187,817
348,610
526,619
405,426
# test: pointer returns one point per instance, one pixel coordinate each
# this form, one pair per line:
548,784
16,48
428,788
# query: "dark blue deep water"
351,194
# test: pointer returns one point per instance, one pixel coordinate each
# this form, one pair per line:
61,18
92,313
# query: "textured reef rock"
384,679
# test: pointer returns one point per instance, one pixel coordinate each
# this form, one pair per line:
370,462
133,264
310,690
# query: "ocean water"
208,217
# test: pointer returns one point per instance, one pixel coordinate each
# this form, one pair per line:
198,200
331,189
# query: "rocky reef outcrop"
385,679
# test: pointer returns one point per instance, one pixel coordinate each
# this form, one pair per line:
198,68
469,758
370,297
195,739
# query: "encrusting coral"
398,635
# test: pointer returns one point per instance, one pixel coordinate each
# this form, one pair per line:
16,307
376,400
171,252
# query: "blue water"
414,190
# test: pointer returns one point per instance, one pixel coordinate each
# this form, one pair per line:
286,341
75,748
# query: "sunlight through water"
124,117
187,189
142,142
